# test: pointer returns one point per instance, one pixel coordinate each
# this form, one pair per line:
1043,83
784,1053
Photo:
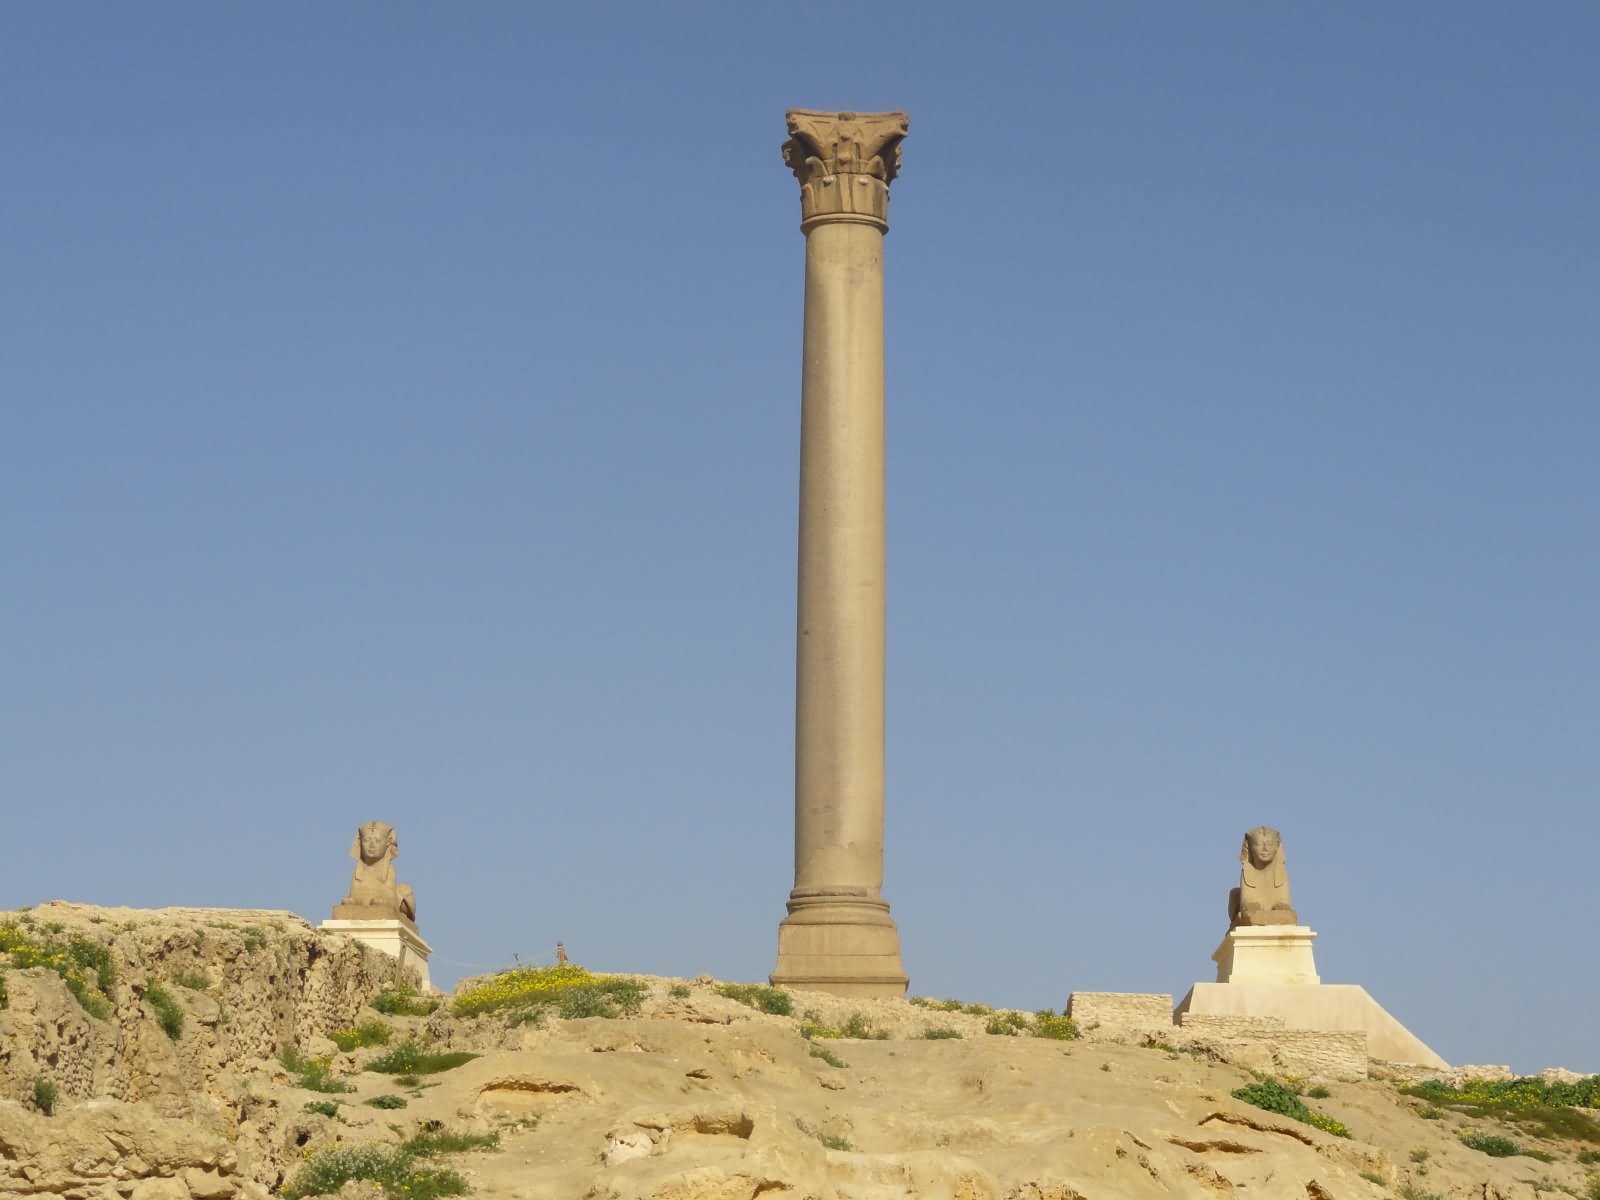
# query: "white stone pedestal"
1267,954
1269,971
396,938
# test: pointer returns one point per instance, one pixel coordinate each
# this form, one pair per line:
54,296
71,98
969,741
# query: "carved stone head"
374,842
1261,846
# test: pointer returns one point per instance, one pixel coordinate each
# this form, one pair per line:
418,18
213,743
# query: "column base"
845,945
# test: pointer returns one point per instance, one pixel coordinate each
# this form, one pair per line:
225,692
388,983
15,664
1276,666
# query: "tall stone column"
838,936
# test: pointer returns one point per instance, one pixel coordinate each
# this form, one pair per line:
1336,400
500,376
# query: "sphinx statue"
1262,897
375,895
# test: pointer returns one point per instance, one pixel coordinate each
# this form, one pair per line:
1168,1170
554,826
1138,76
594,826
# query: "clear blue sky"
398,418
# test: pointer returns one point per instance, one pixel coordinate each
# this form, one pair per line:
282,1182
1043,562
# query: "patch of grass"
1531,1104
1591,1189
412,1058
1007,1024
773,1000
1058,1027
679,991
409,1081
828,1056
938,1035
1319,1093
311,1073
1410,1191
859,1026
1272,1096
1374,1177
84,966
255,937
433,1142
1588,1157
368,1033
167,1013
403,1002
1420,1155
811,1026
830,1140
5,996
569,990
195,981
45,1096
388,1101
1491,1144
1429,1113
325,1108
396,1172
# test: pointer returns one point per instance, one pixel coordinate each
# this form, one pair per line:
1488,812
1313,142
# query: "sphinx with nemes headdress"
1262,897
375,894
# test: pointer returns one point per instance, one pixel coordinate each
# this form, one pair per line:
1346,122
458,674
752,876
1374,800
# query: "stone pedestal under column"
1266,954
395,936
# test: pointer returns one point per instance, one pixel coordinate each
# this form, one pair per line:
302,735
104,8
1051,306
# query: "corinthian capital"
844,162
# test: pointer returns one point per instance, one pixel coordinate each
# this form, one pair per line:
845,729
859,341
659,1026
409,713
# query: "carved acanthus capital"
844,162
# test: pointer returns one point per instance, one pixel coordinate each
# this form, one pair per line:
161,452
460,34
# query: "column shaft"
839,638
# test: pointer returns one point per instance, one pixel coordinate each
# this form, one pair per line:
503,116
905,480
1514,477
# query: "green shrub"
1374,1177
679,991
772,1000
939,1035
5,996
168,1015
326,1108
311,1073
1006,1024
409,1081
1591,1189
195,981
84,966
828,1056
1410,1191
1420,1155
1274,1097
1047,1024
433,1142
392,1169
830,1140
45,1096
1588,1157
403,1002
859,1026
1319,1093
388,1100
368,1033
410,1058
1491,1144
255,937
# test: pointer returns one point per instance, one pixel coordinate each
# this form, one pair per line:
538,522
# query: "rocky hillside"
559,1084
149,1031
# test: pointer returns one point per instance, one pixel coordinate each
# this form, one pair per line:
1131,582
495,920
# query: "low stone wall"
1231,1026
1267,1041
1121,1010
1335,1053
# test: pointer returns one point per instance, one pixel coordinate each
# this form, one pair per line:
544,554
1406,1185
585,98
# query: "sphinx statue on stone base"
1262,897
375,895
